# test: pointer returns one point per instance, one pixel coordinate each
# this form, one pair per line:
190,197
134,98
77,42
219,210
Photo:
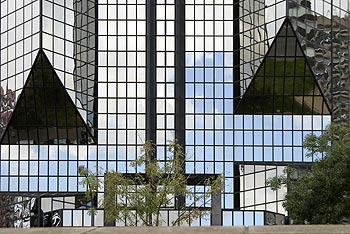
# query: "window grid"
99,54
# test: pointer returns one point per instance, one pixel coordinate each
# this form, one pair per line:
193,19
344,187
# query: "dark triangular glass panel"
45,114
284,82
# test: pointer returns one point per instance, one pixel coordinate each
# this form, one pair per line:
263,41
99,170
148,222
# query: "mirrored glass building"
239,83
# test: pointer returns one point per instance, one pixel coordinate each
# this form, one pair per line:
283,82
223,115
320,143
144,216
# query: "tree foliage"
321,195
138,199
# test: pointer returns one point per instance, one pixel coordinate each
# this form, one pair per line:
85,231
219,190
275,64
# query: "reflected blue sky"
215,137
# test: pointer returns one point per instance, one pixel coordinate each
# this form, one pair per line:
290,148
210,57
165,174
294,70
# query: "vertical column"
237,187
236,94
151,71
216,215
110,223
236,54
180,80
40,218
180,71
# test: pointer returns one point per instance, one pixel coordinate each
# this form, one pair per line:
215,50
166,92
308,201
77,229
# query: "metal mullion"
274,74
95,88
294,70
214,72
180,81
57,123
24,83
136,87
332,63
13,77
236,54
40,23
293,90
27,130
195,84
273,92
265,189
314,86
151,58
205,83
118,35
80,68
284,73
165,78
25,107
107,79
214,83
127,82
284,84
304,79
72,218
44,88
35,104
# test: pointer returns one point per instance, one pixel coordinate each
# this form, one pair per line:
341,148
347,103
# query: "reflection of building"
239,83
301,82
20,211
320,36
7,105
252,38
84,37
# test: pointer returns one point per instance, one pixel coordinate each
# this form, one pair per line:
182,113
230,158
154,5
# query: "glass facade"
284,82
44,112
238,82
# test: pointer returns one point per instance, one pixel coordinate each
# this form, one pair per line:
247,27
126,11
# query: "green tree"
138,199
322,194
